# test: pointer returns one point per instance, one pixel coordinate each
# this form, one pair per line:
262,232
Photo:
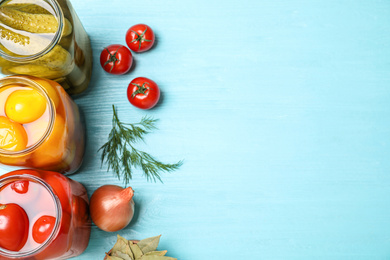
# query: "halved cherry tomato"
140,38
42,228
116,59
20,187
13,227
143,93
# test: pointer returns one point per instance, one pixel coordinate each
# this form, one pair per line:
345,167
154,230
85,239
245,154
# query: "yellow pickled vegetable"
13,36
28,8
34,23
56,63
13,137
36,70
49,90
57,58
25,106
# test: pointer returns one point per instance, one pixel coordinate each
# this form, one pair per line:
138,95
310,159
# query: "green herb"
121,155
145,249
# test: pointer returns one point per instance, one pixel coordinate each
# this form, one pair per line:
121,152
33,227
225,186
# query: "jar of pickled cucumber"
45,38
40,126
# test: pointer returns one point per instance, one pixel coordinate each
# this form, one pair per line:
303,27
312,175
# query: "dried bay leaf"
137,252
156,257
121,255
129,252
122,238
108,257
149,244
160,253
122,249
145,249
120,244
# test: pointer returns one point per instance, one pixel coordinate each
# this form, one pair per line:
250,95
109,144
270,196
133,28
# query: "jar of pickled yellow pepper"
45,38
40,125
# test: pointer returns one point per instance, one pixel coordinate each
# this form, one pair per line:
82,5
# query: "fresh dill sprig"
122,157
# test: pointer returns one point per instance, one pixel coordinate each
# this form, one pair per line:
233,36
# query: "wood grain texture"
280,110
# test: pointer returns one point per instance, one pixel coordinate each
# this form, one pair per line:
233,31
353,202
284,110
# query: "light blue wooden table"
281,112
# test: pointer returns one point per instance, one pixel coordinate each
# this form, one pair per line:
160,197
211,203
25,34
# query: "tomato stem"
2,206
112,58
140,38
141,89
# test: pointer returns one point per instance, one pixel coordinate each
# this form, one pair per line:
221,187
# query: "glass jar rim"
57,204
26,58
52,115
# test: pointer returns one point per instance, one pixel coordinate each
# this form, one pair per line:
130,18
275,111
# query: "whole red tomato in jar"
143,93
14,226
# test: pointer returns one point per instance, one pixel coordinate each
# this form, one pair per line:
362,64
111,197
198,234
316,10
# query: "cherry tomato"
20,187
50,89
49,86
53,148
140,38
13,227
42,228
25,106
143,93
13,136
61,188
116,59
80,206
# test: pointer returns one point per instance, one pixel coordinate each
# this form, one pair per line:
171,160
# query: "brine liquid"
18,40
36,129
37,202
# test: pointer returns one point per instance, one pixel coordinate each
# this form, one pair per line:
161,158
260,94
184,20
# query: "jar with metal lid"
52,215
45,38
40,125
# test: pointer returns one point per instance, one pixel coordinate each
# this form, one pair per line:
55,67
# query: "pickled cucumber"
28,8
13,36
58,57
34,23
36,70
56,63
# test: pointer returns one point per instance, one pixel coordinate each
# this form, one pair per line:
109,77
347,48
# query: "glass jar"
52,196
40,125
45,38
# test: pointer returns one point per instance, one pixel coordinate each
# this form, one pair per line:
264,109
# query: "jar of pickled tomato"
51,212
45,38
40,125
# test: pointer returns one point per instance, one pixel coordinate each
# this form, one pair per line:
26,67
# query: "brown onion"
112,207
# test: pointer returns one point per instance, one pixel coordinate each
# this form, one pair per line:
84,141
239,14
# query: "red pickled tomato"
14,227
20,187
42,228
61,188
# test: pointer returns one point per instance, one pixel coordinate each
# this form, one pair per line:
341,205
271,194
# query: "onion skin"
112,207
